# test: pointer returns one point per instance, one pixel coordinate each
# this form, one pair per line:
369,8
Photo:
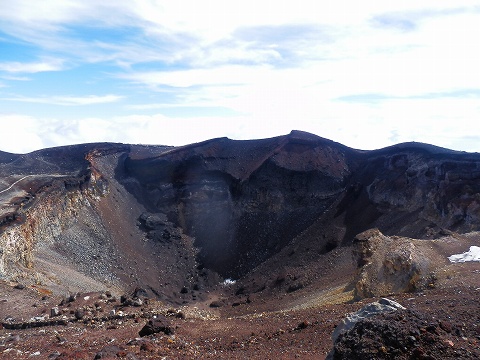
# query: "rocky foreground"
238,249
436,324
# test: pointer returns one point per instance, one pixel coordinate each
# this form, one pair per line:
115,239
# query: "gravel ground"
444,321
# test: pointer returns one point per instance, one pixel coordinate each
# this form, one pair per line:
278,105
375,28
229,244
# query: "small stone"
79,314
446,326
139,292
54,355
148,347
448,342
303,325
19,286
180,315
137,302
108,352
13,338
61,340
54,311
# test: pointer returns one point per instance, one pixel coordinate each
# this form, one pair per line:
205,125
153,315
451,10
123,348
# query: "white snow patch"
471,255
228,282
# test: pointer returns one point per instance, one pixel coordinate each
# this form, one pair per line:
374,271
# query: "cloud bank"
367,75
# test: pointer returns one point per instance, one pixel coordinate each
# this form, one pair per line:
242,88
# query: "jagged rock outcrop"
57,219
394,264
158,228
388,265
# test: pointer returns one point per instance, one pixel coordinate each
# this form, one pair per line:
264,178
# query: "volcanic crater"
238,249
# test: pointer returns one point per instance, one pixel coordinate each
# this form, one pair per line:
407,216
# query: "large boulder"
156,325
388,265
384,305
402,334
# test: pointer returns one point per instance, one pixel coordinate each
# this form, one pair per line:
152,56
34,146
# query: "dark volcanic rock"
140,292
158,228
109,352
79,314
156,325
400,335
384,305
216,304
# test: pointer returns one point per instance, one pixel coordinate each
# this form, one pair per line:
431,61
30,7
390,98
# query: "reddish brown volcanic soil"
238,250
445,322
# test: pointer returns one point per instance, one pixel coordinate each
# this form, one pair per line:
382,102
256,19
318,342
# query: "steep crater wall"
241,214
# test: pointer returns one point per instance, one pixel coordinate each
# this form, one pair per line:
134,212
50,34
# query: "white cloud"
20,133
15,78
209,26
360,73
33,67
69,100
368,129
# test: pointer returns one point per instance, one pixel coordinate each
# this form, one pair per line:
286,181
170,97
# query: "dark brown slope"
6,157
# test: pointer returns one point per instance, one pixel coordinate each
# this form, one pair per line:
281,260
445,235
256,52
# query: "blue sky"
367,74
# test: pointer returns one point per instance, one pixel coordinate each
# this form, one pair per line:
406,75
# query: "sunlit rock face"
161,216
389,265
